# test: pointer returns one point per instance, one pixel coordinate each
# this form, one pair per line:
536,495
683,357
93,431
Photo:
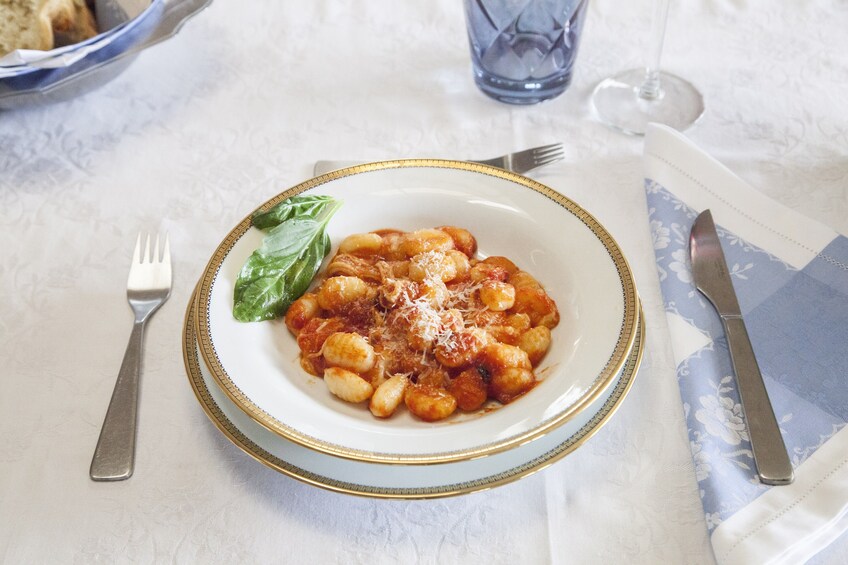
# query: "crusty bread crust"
22,27
44,24
74,24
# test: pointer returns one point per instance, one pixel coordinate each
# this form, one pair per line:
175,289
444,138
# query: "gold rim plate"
329,473
520,215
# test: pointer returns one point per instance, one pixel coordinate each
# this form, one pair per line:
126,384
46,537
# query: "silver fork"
519,162
148,287
524,161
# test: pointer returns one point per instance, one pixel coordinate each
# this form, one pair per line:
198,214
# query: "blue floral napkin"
791,277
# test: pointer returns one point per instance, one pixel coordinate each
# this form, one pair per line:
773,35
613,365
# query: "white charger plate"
381,480
563,246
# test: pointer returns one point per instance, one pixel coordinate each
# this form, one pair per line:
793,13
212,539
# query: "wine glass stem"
650,88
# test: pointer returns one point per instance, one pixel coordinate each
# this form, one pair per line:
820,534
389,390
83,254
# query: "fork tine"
546,160
166,254
550,148
543,148
165,265
147,250
549,156
137,252
527,159
547,152
155,258
550,153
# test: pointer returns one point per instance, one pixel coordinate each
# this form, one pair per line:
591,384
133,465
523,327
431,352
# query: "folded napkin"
791,277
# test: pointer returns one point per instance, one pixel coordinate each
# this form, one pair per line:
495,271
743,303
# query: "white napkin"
791,277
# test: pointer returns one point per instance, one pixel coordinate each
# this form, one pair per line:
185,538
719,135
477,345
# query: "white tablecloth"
236,108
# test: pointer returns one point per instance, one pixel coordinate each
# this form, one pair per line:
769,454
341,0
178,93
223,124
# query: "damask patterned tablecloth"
236,108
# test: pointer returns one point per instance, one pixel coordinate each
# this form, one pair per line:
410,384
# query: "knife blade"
711,276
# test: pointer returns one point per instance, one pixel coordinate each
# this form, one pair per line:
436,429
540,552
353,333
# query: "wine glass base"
617,103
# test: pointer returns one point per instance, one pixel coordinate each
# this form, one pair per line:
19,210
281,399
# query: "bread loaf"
44,24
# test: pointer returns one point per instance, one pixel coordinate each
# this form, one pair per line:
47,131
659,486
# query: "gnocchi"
337,292
415,319
430,403
349,351
497,296
388,396
361,243
347,385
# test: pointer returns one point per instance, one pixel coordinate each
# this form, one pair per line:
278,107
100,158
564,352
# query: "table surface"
202,128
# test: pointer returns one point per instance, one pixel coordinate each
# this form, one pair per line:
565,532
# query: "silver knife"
709,270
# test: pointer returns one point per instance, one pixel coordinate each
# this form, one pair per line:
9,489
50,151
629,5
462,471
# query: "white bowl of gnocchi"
412,481
462,312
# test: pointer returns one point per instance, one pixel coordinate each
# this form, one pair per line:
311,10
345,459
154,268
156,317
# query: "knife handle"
770,456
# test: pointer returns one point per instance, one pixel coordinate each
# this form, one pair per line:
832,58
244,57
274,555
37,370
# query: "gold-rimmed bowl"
256,365
378,480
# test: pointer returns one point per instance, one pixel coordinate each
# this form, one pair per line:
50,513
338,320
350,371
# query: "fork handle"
114,456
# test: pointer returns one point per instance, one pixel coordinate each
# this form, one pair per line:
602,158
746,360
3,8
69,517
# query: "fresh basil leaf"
300,206
283,266
288,237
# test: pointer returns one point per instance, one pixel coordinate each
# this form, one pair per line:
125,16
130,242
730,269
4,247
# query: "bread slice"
44,24
72,22
23,27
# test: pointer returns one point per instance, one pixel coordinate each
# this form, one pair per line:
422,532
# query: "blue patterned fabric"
798,325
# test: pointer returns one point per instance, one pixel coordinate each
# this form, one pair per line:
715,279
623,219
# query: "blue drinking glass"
523,51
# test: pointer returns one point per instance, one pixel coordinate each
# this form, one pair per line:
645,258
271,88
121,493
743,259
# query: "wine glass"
631,99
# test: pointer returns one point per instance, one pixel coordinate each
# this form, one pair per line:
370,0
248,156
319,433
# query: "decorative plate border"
619,357
235,435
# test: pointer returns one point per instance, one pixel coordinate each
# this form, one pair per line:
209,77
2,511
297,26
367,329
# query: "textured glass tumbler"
523,51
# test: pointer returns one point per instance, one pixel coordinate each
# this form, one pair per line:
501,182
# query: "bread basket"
118,47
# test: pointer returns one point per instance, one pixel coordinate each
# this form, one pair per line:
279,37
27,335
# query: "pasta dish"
417,319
